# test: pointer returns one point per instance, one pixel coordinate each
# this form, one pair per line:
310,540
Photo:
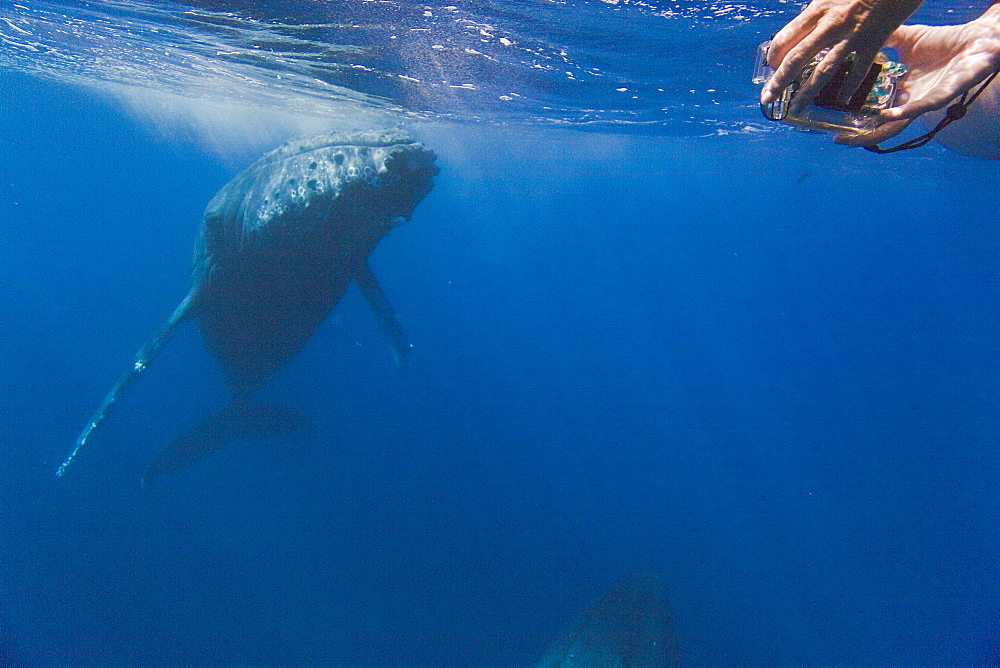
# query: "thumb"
879,134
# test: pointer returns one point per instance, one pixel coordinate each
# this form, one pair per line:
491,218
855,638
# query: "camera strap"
955,112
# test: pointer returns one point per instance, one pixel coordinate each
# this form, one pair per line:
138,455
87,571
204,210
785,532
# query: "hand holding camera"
828,60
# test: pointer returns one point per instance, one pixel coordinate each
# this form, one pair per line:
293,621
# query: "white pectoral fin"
383,310
142,359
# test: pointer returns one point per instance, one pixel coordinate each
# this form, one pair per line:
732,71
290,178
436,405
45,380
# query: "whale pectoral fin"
239,420
383,310
142,359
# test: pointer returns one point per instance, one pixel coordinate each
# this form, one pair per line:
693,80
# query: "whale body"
277,249
632,626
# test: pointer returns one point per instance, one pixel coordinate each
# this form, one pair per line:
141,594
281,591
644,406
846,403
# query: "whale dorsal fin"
383,310
183,313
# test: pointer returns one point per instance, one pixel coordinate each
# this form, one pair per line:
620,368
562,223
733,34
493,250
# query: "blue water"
758,365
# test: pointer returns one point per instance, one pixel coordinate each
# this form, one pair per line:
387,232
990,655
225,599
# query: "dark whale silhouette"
632,626
277,249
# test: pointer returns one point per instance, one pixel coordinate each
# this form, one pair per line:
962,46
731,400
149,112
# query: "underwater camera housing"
860,114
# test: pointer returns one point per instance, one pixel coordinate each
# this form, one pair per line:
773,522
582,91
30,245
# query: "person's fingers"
917,107
821,76
863,59
794,32
795,57
797,44
876,136
937,90
787,72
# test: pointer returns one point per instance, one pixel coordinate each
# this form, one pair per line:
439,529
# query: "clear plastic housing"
825,114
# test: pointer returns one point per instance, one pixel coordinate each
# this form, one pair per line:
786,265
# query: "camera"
860,114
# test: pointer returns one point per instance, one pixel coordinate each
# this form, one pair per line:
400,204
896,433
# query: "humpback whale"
277,248
632,626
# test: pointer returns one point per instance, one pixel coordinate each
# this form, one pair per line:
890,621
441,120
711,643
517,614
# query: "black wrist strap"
955,112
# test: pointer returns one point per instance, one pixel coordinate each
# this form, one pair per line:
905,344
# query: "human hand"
943,62
842,26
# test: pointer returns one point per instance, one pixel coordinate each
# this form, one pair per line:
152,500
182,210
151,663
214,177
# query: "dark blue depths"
765,371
